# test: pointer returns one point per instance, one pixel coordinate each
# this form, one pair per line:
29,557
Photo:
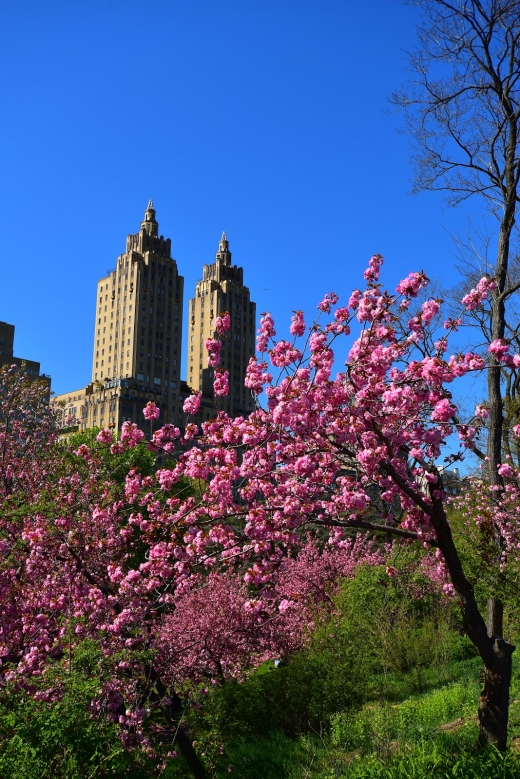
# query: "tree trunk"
495,618
188,752
496,653
493,707
171,707
498,325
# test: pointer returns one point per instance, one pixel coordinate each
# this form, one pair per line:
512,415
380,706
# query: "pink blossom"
482,412
371,274
221,383
130,434
329,300
297,324
342,314
84,452
499,348
506,471
192,404
213,346
151,411
443,411
265,332
429,309
283,354
355,298
473,299
104,436
223,324
412,284
257,376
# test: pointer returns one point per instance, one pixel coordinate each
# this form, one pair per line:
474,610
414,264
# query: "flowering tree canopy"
175,582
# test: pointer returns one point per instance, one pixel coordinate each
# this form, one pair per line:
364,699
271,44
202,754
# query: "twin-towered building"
138,337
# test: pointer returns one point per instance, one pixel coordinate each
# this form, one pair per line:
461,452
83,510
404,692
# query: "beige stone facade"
137,335
221,290
138,338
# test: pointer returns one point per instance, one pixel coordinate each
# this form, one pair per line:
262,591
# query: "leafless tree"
462,109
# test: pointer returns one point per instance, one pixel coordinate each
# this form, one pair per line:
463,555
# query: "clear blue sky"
265,119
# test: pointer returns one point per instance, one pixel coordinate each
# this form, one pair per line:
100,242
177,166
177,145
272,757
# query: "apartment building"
137,339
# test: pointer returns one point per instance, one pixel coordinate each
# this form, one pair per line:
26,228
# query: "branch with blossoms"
330,453
221,382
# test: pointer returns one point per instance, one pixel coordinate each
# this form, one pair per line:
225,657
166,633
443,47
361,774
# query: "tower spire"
223,247
149,224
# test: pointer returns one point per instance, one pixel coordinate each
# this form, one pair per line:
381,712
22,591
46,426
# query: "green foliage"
115,467
478,552
367,698
381,642
61,740
380,725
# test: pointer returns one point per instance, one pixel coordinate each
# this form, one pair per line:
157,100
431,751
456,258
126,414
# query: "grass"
387,739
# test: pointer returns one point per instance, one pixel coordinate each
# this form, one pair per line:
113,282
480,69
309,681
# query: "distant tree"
27,431
462,108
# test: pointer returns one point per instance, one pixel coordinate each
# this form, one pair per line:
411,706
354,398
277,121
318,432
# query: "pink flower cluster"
266,331
105,436
213,347
500,349
151,411
130,434
371,274
412,284
257,376
221,383
297,326
223,324
329,300
283,354
429,309
192,404
473,299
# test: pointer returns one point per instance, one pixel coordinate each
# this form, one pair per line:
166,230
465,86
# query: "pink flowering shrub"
144,570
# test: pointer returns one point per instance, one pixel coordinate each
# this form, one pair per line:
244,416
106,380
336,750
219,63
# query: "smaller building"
7,356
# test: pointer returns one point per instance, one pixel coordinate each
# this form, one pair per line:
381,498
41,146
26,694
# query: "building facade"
7,356
220,290
138,338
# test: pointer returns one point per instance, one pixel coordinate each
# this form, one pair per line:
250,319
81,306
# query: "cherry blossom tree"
359,450
127,564
85,556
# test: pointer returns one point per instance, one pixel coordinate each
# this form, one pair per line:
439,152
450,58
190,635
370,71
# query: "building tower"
222,289
137,332
31,367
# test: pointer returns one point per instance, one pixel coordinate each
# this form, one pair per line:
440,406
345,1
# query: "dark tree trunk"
498,325
171,707
188,752
493,707
172,713
496,653
495,618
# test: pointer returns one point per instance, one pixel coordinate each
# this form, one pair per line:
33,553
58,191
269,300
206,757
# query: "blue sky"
265,119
